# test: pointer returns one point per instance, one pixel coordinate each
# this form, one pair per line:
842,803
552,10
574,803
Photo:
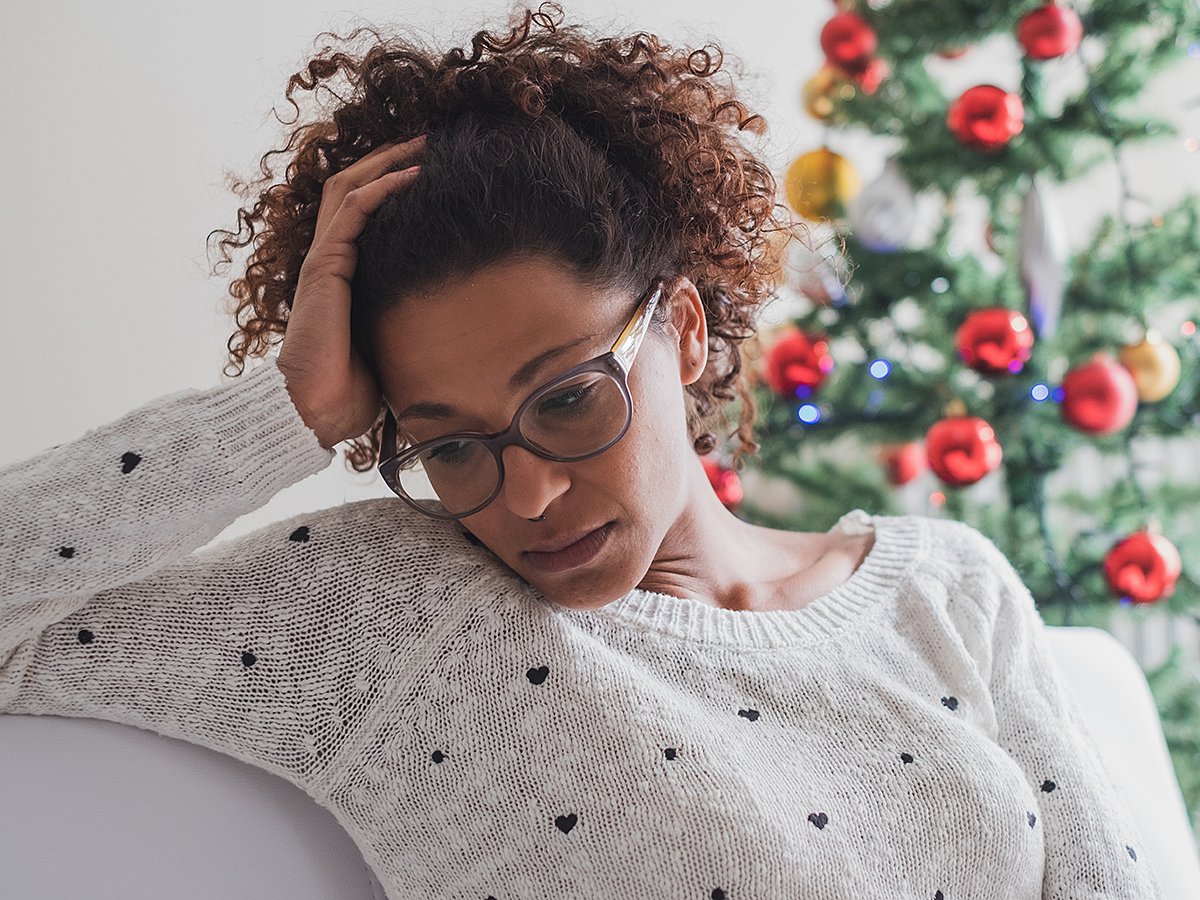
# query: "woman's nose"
531,483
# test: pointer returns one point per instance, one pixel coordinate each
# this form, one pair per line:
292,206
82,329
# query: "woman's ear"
690,329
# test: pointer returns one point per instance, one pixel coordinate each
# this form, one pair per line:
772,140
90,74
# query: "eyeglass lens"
565,420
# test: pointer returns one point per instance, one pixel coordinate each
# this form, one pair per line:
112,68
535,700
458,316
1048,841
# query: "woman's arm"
105,610
131,496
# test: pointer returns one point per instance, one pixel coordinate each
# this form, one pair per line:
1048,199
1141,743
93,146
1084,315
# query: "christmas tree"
1005,364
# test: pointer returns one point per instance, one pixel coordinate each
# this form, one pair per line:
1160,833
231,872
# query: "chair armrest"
110,812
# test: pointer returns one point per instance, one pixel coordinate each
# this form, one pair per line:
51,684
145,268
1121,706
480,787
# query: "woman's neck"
712,556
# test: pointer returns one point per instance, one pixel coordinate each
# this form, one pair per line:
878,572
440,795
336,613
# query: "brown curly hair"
621,157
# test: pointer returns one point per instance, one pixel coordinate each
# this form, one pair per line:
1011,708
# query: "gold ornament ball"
1154,365
819,184
819,92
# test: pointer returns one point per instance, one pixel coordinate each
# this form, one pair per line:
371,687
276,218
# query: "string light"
880,369
937,498
1057,395
803,391
1039,392
1188,329
809,414
1191,145
940,285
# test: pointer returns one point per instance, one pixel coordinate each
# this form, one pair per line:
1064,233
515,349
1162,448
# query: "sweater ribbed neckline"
899,545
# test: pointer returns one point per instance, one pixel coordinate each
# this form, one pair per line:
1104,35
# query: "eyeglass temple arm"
388,441
627,344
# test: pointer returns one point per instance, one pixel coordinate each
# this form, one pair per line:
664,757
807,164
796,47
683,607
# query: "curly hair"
620,156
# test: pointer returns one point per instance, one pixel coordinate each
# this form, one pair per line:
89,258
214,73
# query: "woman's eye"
451,453
571,401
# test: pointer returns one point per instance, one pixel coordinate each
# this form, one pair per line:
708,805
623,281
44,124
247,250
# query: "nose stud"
541,518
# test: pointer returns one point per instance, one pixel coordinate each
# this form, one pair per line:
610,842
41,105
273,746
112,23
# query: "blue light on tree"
809,414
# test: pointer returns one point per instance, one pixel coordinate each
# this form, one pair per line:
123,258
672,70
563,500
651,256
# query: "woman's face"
459,347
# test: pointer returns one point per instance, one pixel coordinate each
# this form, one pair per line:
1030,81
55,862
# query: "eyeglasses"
575,416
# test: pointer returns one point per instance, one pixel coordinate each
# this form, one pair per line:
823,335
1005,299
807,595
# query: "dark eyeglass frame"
615,363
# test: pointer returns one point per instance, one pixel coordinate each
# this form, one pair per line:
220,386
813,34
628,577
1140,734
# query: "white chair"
108,812
90,809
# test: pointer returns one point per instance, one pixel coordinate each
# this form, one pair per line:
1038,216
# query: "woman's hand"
329,383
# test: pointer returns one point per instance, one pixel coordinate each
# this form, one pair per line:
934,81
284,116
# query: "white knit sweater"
904,736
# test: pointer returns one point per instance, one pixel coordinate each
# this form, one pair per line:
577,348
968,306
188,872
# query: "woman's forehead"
501,330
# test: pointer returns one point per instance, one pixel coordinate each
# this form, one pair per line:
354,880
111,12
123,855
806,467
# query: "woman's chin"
580,590
588,574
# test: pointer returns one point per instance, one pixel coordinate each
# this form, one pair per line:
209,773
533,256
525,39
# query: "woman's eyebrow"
424,409
524,375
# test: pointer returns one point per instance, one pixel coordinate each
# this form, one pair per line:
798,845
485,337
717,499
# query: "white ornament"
1042,255
883,215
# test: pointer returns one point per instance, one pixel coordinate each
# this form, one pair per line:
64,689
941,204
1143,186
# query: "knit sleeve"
1092,847
104,529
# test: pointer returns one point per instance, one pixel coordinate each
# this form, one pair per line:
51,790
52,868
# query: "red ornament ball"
871,76
903,462
1049,31
1143,567
995,341
962,450
849,43
986,117
1099,397
797,364
724,481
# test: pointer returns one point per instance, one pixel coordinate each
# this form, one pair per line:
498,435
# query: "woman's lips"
579,551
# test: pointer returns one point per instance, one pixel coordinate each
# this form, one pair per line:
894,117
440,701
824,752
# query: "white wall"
119,120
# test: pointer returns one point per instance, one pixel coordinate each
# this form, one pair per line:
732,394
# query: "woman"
517,278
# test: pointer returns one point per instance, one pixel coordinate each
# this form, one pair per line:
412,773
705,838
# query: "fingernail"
412,169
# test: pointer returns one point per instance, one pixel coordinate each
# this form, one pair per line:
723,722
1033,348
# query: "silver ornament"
1042,255
883,215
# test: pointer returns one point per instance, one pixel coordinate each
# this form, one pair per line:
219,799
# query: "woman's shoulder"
367,539
945,548
956,555
934,536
